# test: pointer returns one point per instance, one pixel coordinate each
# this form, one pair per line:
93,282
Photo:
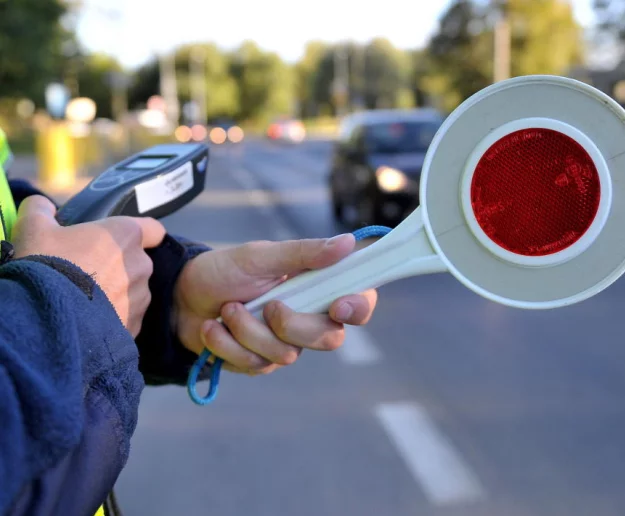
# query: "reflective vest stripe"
8,213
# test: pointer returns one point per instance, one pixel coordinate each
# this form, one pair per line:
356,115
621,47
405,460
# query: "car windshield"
398,137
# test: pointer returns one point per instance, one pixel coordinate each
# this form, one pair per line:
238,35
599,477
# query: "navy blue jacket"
71,377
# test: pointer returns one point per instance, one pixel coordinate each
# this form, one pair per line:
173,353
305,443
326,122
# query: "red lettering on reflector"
535,192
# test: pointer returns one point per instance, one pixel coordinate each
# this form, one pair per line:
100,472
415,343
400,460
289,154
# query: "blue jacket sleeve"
69,389
162,358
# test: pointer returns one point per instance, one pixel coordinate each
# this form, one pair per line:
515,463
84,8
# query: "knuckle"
127,229
133,232
147,265
301,249
254,363
147,299
280,324
35,220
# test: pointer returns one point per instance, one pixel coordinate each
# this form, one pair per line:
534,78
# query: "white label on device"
165,188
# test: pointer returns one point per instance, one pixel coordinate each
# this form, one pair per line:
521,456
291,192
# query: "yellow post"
56,156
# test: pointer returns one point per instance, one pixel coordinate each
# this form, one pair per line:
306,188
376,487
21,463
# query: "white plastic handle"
404,252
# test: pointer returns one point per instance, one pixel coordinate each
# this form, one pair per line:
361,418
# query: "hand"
111,250
217,283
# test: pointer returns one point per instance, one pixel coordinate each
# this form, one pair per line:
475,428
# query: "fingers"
37,204
354,310
39,213
281,258
254,347
250,346
255,336
148,232
152,231
217,339
285,332
311,331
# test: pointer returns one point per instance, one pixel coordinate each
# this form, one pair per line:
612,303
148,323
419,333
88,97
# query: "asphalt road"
446,404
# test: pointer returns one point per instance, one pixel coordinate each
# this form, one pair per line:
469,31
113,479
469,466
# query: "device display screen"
147,163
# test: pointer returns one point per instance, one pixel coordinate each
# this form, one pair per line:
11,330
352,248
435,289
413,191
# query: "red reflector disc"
535,192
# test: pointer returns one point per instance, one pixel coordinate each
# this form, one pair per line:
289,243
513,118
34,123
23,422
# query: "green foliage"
146,82
305,73
379,76
95,81
221,88
255,86
31,38
266,84
545,39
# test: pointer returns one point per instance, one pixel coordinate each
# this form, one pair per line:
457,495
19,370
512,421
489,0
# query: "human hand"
217,283
111,250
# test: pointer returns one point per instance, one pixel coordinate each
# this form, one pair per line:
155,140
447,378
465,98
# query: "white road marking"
430,457
358,348
253,197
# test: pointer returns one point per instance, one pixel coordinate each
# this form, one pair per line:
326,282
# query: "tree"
609,34
145,83
221,88
459,55
378,76
305,72
545,39
385,75
418,69
95,79
31,41
610,19
266,84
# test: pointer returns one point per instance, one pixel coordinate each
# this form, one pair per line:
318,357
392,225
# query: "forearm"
69,389
163,359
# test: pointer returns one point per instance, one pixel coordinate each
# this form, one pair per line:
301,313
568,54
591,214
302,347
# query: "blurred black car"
376,165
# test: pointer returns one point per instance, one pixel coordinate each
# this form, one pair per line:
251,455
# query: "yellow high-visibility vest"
8,213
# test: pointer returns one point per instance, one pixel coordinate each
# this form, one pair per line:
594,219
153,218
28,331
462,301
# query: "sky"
134,30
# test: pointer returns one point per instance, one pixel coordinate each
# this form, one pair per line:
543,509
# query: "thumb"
153,232
39,210
293,256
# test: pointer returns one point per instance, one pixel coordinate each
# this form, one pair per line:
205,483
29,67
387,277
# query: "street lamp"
501,43
340,85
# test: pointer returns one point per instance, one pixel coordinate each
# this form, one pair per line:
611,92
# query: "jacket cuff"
163,359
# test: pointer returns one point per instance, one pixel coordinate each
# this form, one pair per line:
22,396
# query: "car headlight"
391,179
